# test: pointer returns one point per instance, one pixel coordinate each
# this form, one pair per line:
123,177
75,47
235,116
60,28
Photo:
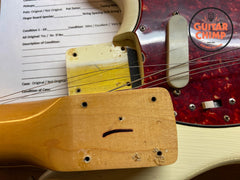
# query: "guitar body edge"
200,149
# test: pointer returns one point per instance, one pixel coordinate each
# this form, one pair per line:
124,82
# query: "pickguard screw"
142,28
175,113
226,118
175,13
192,107
177,92
232,101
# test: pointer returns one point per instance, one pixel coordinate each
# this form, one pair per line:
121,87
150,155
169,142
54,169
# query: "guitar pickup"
177,52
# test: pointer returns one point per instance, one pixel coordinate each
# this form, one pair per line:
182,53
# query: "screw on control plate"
232,101
226,118
142,28
192,107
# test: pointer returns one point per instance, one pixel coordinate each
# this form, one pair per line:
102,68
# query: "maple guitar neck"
89,132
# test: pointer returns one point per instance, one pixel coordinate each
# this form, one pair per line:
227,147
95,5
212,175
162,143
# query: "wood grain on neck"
67,134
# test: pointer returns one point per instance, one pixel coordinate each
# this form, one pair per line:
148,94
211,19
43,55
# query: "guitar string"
199,68
54,89
79,75
114,68
45,84
89,73
197,73
13,99
66,79
99,72
22,97
145,84
102,71
169,76
215,68
195,59
145,76
69,82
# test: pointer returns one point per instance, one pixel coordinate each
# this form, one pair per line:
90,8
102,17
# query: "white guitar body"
200,149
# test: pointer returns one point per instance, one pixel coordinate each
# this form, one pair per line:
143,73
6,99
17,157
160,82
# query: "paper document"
35,34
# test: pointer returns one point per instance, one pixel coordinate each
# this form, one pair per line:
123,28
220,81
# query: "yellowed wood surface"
61,134
97,68
200,149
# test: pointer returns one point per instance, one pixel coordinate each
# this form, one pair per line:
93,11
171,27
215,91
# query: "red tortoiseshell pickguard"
217,84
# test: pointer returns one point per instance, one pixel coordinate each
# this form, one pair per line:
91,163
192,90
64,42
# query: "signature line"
116,131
